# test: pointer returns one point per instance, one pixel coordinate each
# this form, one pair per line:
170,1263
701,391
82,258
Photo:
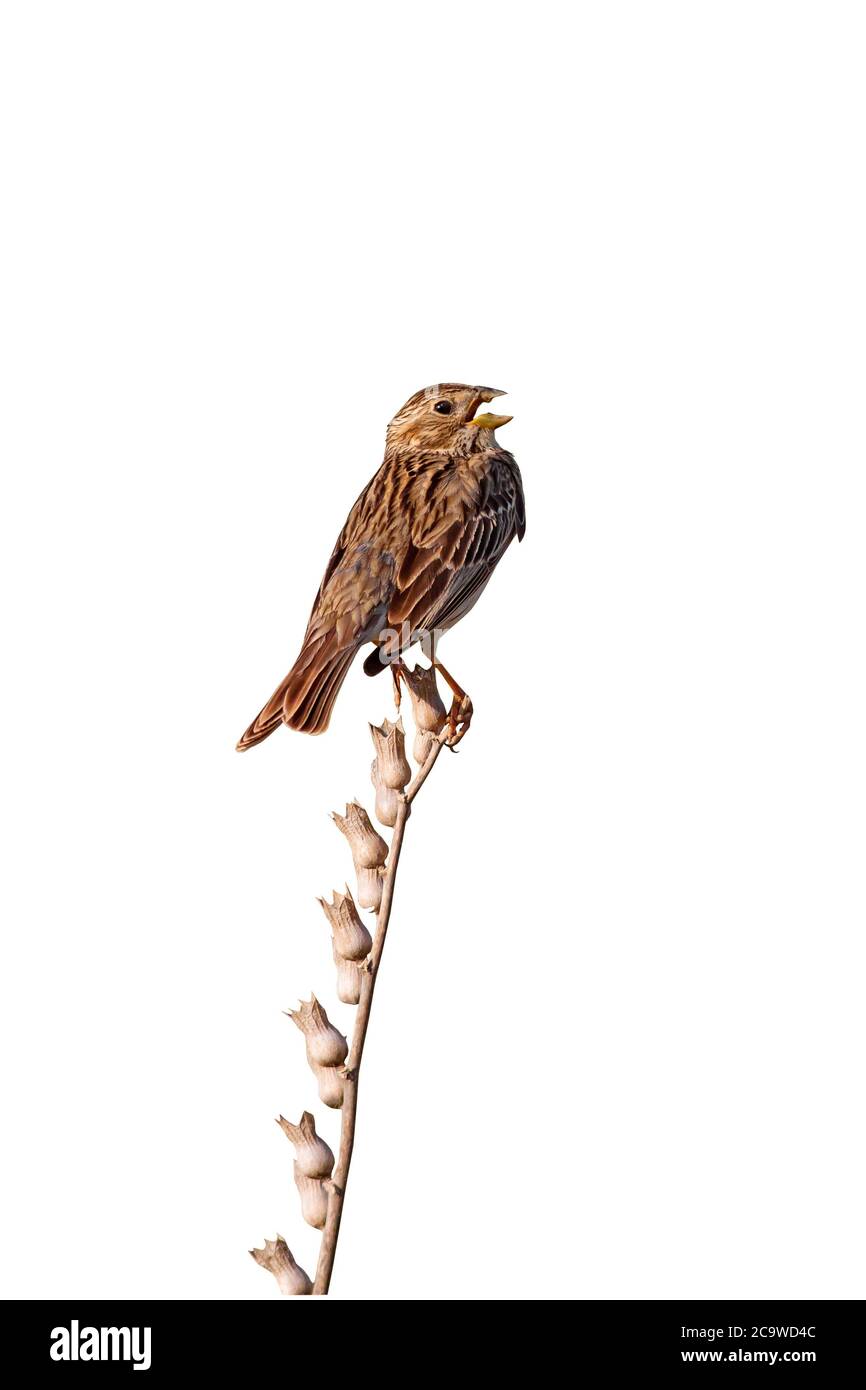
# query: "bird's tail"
306,697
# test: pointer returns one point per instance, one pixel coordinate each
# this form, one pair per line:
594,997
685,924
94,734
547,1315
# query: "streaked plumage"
417,549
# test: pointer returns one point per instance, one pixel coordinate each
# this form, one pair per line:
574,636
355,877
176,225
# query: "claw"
460,714
459,719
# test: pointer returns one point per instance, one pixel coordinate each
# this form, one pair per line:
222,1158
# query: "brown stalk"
336,1186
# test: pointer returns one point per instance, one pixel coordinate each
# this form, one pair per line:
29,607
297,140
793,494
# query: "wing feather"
443,578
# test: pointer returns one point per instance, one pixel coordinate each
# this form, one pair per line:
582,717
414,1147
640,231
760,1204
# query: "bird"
416,552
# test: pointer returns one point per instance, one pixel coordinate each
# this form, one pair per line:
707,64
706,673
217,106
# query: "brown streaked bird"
417,549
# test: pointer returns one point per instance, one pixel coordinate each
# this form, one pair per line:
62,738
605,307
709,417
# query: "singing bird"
417,549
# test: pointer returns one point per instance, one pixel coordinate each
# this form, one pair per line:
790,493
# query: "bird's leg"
398,670
460,714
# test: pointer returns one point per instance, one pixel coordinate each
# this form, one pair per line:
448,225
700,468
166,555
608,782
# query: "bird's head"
444,417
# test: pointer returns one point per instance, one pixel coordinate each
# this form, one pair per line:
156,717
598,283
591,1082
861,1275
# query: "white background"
617,1050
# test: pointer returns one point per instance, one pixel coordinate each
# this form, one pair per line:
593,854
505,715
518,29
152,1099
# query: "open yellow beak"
490,422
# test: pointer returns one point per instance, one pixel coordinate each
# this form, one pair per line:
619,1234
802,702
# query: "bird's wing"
455,547
350,609
353,599
359,577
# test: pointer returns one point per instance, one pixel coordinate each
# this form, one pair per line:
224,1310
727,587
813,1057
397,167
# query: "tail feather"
265,721
305,698
312,715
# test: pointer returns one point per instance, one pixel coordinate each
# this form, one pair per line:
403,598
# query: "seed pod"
314,1199
351,939
386,799
326,1046
367,846
389,740
348,980
428,710
314,1158
369,889
330,1083
421,746
279,1260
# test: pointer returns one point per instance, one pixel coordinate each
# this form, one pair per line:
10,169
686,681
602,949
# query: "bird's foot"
460,714
459,719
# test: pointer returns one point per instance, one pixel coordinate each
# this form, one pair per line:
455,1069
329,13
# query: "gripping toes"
459,719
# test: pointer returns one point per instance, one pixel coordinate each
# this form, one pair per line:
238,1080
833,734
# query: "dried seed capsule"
369,889
314,1199
351,939
367,846
326,1046
279,1260
387,799
330,1083
348,979
389,740
314,1158
428,710
422,745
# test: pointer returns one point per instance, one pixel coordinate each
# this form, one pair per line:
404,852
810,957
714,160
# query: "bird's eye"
443,407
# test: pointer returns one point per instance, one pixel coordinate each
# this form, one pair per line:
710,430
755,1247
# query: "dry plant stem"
337,1185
